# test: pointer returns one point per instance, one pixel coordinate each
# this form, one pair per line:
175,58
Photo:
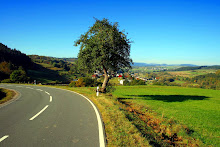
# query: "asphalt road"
43,116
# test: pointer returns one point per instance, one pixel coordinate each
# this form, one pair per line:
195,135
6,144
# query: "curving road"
43,116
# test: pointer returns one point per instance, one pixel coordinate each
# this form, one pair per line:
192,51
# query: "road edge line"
98,116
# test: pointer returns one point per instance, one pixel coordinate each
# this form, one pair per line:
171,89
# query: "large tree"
105,48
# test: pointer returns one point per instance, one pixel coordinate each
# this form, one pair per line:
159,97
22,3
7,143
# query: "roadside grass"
193,112
119,130
6,95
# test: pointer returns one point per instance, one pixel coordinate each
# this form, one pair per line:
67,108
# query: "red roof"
120,76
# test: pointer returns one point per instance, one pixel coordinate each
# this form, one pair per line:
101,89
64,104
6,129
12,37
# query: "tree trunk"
105,82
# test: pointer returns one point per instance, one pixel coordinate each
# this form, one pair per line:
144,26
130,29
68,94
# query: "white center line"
29,87
39,113
39,89
47,92
4,137
51,98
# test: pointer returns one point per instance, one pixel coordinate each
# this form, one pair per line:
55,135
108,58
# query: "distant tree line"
208,81
197,67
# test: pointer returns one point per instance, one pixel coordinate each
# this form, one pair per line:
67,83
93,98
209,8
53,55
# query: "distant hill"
53,70
16,66
197,67
37,58
191,65
153,64
146,64
69,59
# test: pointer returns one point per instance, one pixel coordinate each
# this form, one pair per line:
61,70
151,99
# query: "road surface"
43,116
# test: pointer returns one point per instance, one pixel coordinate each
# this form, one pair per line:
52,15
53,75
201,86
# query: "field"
48,66
198,109
191,73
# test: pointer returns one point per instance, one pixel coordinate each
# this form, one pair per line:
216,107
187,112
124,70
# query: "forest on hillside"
13,64
14,57
17,67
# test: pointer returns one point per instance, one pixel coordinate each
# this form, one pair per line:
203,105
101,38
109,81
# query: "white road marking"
47,92
39,113
100,125
39,89
29,88
4,137
101,136
51,98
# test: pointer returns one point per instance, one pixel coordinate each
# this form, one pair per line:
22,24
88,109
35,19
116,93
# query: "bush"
72,84
6,81
110,88
134,82
84,82
80,83
18,76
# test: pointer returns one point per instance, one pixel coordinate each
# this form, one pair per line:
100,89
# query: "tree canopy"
104,47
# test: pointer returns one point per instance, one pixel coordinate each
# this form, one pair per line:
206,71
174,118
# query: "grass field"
199,109
48,66
191,73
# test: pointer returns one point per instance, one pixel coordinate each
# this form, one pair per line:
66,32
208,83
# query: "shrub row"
85,82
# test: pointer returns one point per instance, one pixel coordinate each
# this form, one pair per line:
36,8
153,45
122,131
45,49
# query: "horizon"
135,62
171,32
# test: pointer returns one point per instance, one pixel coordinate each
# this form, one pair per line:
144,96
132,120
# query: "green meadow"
198,109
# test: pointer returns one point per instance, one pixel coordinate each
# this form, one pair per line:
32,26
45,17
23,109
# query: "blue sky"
163,31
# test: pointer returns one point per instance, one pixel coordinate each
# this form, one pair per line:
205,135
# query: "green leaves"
104,45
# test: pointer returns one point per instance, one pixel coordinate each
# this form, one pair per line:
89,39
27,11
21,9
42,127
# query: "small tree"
103,47
18,76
